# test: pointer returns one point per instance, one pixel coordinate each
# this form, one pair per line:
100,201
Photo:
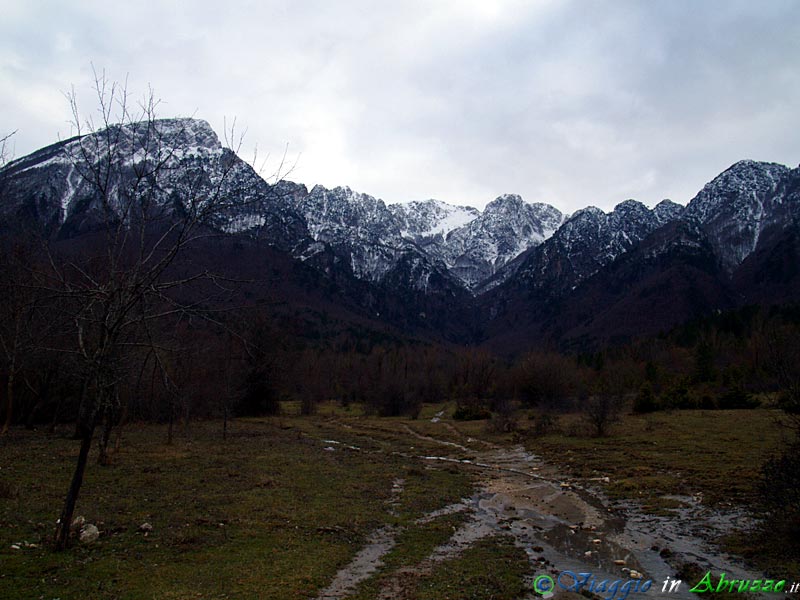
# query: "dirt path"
562,524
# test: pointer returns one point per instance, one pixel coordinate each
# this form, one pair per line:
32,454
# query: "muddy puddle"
562,525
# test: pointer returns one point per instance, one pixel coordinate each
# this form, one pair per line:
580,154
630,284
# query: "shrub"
645,401
258,396
505,420
737,398
472,410
546,380
678,397
544,424
308,406
707,402
601,411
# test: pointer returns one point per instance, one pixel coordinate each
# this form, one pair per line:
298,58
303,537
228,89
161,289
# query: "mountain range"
513,276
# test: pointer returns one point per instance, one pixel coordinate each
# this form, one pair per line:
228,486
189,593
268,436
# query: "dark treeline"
725,361
246,362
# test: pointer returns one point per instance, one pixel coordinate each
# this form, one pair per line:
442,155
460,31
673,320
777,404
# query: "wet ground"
561,523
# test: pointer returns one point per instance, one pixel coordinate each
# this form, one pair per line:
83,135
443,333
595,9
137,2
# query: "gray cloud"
572,103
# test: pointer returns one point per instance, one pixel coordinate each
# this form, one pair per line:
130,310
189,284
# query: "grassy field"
269,513
279,507
717,454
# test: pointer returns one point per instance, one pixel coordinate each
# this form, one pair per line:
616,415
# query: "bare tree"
146,202
5,149
603,407
547,380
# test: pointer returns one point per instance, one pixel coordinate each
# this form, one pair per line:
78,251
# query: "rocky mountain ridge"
511,254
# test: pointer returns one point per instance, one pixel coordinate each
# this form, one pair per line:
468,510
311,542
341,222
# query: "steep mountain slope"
671,276
164,167
737,205
72,189
506,228
356,225
587,241
771,273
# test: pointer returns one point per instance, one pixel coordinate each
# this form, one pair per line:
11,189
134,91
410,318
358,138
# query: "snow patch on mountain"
422,219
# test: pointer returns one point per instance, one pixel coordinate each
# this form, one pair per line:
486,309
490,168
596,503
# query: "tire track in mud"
433,440
370,558
559,523
366,562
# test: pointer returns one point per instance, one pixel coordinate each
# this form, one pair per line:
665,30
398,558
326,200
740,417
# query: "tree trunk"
122,422
109,420
9,401
186,416
104,458
171,421
51,429
42,393
64,523
30,420
81,410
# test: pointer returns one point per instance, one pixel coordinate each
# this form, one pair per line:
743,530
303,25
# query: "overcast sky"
571,103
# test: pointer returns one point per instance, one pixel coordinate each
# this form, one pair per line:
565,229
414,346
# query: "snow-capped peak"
667,210
736,206
505,229
505,203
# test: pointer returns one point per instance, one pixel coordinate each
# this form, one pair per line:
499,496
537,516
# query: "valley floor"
340,505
